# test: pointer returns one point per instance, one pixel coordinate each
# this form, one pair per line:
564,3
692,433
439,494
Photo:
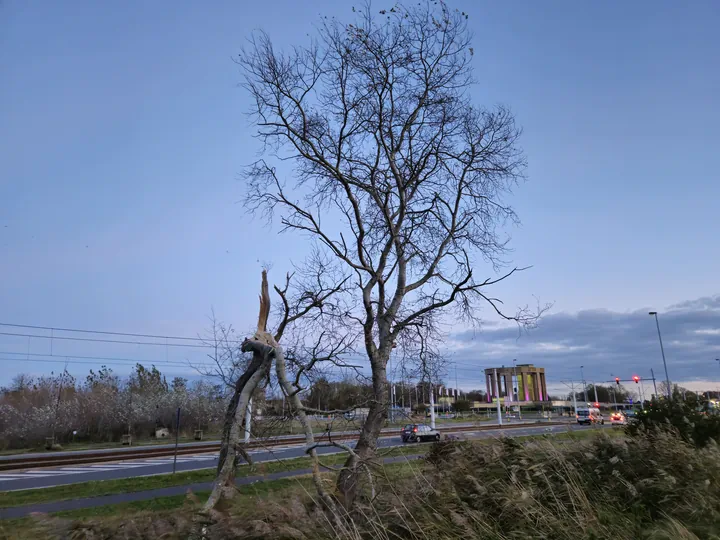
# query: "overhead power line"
99,340
107,333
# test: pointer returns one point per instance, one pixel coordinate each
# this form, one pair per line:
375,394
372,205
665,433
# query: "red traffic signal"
636,379
617,381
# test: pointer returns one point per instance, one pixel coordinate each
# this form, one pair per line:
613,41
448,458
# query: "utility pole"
572,389
662,351
497,393
177,436
654,385
595,388
642,395
432,408
248,418
392,404
456,384
582,376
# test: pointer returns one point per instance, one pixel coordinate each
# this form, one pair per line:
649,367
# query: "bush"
692,420
655,485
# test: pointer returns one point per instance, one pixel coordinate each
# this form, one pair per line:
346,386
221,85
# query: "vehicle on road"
618,419
590,416
419,432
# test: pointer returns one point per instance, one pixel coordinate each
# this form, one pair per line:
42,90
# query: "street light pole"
662,350
582,376
497,393
516,389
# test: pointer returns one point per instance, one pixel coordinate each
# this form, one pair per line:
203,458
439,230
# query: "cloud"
604,342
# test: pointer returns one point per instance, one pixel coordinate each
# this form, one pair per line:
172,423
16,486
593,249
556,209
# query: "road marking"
46,472
113,466
78,469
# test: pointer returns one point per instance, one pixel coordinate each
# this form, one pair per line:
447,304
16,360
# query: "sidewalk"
93,502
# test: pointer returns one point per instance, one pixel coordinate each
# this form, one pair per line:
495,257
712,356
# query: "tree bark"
232,429
349,477
294,398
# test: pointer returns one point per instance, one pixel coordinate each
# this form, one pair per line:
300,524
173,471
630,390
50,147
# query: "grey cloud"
605,342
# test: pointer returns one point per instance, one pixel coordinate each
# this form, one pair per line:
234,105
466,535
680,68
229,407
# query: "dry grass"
654,486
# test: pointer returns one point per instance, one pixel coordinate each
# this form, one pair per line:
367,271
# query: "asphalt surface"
201,444
66,475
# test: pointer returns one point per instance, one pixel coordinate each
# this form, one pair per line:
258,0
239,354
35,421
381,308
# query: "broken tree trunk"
262,345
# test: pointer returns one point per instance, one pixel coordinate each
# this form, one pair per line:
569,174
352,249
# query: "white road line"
11,476
39,474
114,467
78,469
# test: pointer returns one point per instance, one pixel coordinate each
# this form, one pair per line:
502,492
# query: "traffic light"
636,379
617,381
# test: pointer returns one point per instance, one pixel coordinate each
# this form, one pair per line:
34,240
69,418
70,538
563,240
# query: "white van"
589,416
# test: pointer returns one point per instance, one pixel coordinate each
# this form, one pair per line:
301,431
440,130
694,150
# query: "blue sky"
124,130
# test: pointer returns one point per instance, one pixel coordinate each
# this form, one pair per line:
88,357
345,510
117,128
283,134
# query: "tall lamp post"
582,376
516,389
718,361
662,351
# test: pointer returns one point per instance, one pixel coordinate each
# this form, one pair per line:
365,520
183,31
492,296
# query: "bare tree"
307,307
396,175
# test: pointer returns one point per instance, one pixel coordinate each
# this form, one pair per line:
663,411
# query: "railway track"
30,462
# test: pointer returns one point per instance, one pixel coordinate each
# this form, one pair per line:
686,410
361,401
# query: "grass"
274,492
603,485
10,499
82,490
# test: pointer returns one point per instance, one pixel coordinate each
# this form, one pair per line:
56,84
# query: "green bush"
654,485
692,420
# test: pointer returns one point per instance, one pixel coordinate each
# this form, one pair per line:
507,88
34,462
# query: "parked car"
618,419
589,416
419,432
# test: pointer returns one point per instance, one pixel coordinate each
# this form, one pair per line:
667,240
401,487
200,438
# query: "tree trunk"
349,477
294,398
232,439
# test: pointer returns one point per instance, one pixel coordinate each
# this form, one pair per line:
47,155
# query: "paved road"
37,478
198,444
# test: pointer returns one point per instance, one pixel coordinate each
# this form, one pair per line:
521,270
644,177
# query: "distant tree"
605,394
179,384
477,395
462,405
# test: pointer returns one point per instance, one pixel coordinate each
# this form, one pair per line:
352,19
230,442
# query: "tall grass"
651,486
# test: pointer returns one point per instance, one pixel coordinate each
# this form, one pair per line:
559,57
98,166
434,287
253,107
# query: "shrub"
655,485
691,419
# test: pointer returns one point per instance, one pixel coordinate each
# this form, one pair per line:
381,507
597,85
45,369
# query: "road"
65,475
200,445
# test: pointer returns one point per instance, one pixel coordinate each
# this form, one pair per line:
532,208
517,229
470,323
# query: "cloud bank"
606,343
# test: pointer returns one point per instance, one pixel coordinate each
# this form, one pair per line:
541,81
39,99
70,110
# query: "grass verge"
10,499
